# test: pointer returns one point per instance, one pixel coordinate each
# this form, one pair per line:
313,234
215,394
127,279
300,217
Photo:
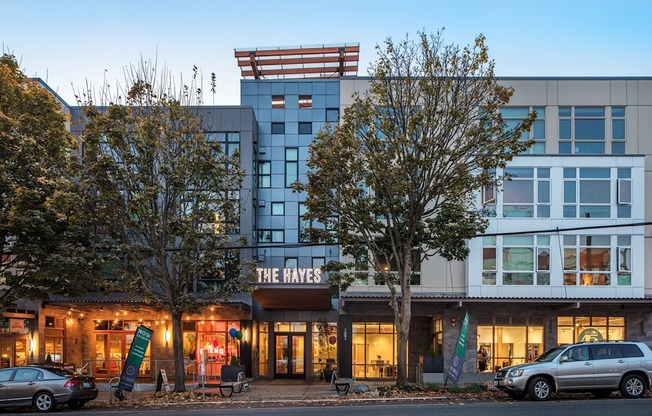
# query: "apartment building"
563,259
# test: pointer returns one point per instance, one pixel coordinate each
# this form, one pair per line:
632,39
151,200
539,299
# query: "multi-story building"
563,259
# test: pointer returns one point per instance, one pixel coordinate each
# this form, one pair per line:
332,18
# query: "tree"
45,249
166,197
396,180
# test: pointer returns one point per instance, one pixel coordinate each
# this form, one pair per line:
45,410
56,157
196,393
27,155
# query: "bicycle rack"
113,386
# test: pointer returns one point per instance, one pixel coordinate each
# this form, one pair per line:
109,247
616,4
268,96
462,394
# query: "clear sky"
70,43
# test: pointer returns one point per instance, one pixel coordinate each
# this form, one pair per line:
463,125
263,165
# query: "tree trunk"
177,350
402,321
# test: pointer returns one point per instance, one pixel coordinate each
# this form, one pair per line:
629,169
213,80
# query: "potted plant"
433,363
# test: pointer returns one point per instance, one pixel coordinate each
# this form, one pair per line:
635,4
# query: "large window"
229,141
523,196
587,260
525,193
582,130
572,329
516,260
502,344
588,196
374,350
513,116
113,339
324,347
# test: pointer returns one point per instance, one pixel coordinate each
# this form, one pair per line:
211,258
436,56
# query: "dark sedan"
45,387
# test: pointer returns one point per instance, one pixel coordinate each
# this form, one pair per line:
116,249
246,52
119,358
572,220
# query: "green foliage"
45,248
397,178
431,351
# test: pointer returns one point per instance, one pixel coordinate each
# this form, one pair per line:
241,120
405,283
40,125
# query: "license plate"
86,384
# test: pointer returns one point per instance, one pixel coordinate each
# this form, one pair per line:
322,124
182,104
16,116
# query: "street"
608,407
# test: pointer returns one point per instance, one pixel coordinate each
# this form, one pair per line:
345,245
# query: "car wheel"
633,386
516,395
43,401
539,389
602,394
76,404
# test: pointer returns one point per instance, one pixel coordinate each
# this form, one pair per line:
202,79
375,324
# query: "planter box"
433,364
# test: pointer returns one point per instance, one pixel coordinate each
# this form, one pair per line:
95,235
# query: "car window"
549,355
5,375
605,352
631,350
60,371
28,374
580,353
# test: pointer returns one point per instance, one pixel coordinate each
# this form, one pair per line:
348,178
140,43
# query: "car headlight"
515,373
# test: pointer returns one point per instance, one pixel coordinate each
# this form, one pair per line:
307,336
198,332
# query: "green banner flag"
135,358
455,368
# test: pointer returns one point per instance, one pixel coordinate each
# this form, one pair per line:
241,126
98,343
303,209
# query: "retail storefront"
502,332
296,325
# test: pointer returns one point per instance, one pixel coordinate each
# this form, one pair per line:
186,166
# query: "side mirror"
563,359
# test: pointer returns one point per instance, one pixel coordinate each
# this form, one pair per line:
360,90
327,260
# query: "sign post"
134,359
455,368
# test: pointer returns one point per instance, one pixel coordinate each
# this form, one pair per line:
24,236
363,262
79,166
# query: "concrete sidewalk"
259,390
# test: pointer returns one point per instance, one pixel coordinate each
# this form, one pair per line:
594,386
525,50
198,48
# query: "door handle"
587,363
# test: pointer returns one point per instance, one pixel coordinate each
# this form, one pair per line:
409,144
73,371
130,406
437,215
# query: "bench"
342,385
232,379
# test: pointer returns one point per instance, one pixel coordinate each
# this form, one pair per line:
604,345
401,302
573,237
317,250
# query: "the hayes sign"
289,276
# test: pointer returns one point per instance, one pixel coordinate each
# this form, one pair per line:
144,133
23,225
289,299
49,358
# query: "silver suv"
598,367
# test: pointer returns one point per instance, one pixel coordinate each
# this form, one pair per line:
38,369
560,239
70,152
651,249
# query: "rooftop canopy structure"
326,61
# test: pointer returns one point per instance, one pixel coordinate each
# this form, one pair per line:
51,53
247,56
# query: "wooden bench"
232,379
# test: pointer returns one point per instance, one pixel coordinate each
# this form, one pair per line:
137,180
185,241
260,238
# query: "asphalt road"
593,407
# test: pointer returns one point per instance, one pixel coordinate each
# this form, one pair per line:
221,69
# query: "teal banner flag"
135,358
455,368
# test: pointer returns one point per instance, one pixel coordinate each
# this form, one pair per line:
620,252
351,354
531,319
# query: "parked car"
597,367
45,387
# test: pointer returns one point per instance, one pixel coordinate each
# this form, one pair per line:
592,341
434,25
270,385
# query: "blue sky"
72,43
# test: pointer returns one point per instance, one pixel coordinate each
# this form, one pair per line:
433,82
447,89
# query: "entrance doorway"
290,356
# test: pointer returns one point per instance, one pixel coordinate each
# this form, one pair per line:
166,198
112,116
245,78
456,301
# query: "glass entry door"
290,356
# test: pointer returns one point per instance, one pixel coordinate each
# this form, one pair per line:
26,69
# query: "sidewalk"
259,390
263,391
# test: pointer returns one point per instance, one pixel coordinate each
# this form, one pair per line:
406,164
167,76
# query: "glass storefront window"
504,345
374,350
589,329
324,347
263,352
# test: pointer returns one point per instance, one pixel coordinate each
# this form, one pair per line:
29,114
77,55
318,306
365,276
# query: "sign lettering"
289,276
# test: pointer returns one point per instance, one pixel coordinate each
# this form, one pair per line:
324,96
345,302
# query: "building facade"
563,259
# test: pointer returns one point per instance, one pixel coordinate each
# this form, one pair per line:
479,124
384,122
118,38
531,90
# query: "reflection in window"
581,130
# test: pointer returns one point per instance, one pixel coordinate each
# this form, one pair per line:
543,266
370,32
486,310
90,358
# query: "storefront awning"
284,298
